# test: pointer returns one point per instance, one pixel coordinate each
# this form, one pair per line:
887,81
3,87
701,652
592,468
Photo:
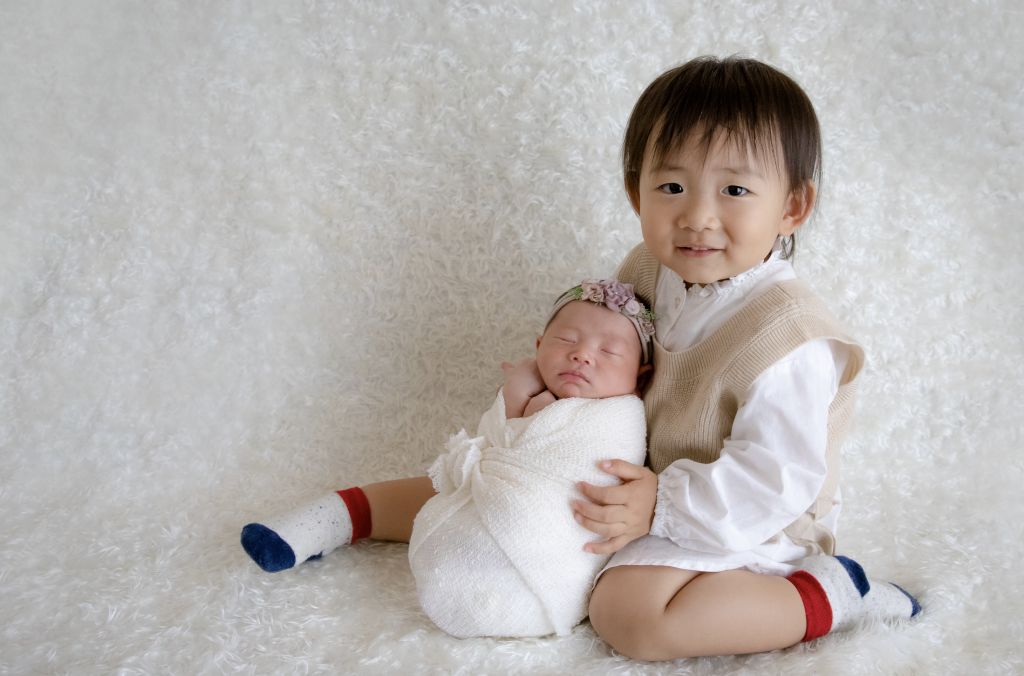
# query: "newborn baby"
497,551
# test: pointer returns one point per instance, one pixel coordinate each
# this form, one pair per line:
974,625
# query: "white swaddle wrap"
497,551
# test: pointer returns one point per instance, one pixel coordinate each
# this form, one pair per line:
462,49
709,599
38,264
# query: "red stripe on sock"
816,605
359,511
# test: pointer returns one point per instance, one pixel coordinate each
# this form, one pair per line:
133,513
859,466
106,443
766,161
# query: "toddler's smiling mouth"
697,251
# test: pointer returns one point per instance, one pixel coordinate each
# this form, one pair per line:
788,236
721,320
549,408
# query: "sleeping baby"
497,552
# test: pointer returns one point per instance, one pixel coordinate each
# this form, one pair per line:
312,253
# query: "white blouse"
716,516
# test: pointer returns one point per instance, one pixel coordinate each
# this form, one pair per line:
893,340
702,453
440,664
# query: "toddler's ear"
798,208
538,341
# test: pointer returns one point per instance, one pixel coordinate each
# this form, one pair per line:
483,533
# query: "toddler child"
726,543
496,552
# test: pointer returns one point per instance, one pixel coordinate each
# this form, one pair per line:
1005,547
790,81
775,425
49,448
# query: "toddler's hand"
620,513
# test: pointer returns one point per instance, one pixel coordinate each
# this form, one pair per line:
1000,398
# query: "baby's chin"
574,391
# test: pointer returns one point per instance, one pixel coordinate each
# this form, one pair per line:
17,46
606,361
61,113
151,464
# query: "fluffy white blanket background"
252,252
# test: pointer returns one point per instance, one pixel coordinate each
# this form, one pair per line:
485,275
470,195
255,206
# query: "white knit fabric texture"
497,551
317,528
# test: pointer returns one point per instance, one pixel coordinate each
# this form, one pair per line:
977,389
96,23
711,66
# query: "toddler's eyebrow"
737,169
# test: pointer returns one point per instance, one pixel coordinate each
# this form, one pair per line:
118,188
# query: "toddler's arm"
772,465
620,513
771,468
522,385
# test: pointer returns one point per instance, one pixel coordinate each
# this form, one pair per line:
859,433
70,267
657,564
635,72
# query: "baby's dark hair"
708,95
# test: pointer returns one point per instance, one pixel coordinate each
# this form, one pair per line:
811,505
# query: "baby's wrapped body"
497,551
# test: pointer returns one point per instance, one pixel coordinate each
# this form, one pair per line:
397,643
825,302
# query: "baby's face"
589,351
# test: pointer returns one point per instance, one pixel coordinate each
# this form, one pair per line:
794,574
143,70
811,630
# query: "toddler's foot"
308,532
837,594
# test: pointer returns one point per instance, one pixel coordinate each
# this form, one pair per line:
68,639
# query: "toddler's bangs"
753,104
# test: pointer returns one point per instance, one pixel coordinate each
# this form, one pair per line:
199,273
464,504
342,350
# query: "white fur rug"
254,251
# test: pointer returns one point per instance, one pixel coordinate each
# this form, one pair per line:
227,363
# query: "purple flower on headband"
617,294
592,290
631,308
646,326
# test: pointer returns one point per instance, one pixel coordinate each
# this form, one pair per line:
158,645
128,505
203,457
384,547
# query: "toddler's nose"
700,214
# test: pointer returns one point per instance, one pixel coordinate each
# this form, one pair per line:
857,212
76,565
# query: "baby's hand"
522,383
620,513
524,378
538,403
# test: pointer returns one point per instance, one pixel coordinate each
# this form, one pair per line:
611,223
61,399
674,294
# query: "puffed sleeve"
772,466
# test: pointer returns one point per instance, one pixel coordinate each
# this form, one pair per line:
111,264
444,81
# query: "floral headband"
617,297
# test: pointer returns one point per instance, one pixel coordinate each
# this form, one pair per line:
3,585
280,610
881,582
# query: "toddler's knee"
634,634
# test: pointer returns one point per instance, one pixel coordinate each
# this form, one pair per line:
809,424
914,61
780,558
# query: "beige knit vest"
693,397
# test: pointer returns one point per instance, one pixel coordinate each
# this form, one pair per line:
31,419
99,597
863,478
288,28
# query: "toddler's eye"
735,191
671,188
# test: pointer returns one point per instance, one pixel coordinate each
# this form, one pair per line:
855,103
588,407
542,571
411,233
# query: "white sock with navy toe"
837,595
307,533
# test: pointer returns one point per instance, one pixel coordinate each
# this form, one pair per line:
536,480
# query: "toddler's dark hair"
707,95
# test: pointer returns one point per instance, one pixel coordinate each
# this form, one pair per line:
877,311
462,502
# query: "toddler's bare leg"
663,613
394,505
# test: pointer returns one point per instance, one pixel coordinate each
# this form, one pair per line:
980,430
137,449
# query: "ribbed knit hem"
359,511
816,605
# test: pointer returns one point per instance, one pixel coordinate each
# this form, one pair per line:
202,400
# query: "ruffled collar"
726,286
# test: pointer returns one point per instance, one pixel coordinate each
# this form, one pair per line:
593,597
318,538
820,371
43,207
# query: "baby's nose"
583,355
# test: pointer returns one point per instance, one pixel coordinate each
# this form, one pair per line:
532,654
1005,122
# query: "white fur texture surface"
253,252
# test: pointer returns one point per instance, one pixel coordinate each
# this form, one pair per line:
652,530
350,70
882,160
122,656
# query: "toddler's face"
711,217
589,351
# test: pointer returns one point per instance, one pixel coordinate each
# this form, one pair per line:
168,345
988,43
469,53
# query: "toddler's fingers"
597,494
605,514
507,367
623,470
601,528
609,546
606,495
